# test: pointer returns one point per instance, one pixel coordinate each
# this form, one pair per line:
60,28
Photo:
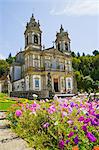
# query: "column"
31,82
32,38
38,39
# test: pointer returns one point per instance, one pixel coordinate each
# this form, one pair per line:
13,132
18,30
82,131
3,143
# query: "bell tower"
33,34
62,40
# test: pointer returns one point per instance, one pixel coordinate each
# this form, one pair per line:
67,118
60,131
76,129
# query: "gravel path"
8,139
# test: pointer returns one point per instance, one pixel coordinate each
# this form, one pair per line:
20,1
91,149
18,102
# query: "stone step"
9,140
4,124
2,115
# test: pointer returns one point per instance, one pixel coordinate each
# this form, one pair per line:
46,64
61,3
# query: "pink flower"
34,106
18,113
64,114
71,134
46,125
70,122
84,128
51,109
65,105
81,118
91,137
87,120
61,144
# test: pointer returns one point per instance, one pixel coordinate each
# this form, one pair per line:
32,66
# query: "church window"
35,39
36,63
58,46
26,40
54,64
48,65
66,46
61,66
69,83
36,82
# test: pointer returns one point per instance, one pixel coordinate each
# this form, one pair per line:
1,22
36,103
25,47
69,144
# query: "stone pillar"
30,60
29,38
27,83
32,38
69,46
9,87
31,82
39,39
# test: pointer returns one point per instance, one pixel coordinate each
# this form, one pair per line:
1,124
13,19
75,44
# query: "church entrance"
56,85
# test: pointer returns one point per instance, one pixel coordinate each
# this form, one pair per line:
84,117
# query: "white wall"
18,86
17,72
62,83
27,83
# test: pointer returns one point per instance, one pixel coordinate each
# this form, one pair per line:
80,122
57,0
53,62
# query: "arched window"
66,46
35,39
26,40
36,82
69,83
58,46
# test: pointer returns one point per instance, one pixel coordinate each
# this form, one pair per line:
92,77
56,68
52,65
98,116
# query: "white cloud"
77,7
1,56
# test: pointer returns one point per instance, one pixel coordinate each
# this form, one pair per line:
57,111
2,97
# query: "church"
41,71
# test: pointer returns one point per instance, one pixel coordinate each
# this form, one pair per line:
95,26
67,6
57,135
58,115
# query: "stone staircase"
8,139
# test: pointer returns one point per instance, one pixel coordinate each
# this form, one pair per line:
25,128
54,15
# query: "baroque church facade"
39,70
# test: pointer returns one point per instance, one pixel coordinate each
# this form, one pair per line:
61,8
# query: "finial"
32,18
32,15
61,28
38,23
53,43
43,46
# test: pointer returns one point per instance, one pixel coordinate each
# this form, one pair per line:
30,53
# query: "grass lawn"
5,105
5,101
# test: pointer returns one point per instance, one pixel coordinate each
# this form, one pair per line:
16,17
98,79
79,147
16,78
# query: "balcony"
40,69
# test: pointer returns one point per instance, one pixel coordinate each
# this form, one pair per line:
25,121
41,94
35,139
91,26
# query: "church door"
56,85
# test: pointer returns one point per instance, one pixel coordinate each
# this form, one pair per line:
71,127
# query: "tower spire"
33,33
62,40
32,15
61,28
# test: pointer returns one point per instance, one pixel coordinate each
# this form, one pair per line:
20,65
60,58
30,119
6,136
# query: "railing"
47,69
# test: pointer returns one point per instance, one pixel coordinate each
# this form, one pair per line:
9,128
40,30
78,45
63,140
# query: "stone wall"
29,94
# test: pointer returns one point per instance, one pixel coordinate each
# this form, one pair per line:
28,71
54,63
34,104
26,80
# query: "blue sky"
79,17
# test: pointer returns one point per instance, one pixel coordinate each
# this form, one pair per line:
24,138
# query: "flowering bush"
61,124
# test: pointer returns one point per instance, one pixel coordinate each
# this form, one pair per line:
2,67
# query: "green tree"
83,54
95,52
86,66
76,62
4,67
79,79
73,54
95,68
78,54
10,59
87,83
